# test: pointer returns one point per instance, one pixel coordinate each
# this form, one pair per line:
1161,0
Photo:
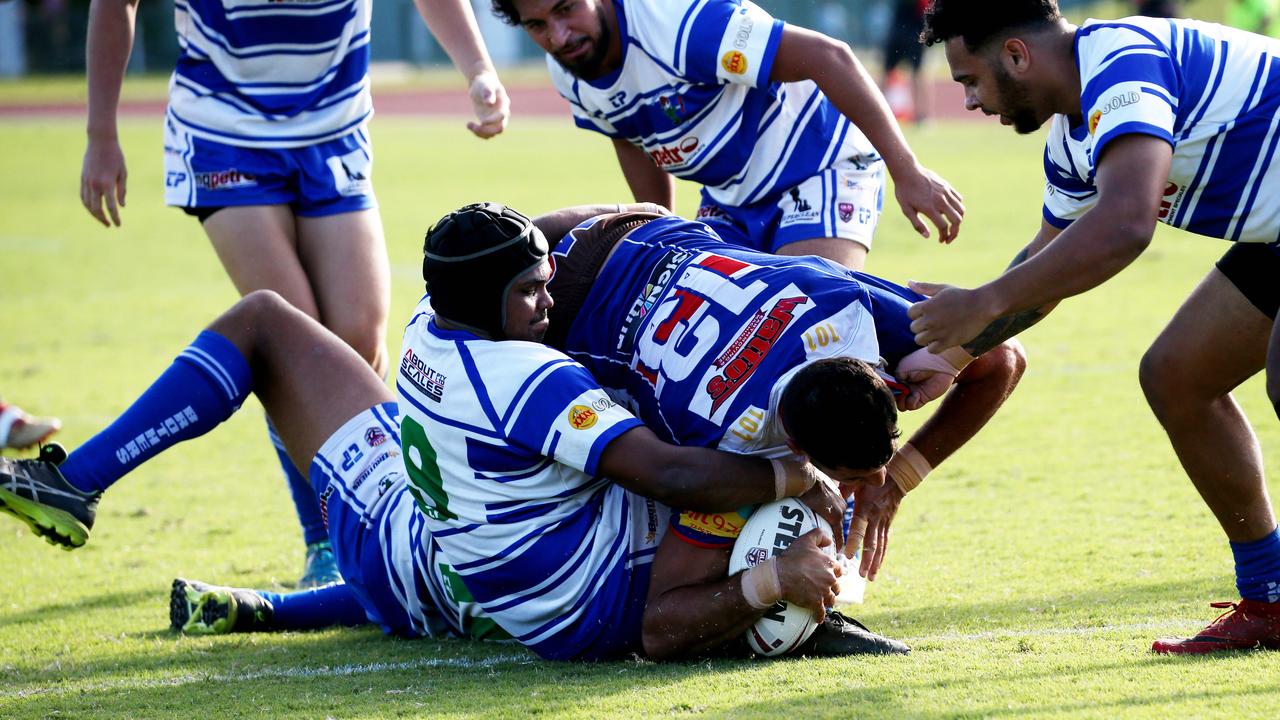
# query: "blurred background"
47,36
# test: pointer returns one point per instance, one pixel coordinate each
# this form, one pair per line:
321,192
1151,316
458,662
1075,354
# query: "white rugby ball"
770,530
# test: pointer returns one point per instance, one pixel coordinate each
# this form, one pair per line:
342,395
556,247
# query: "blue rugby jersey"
694,92
271,73
700,337
1212,92
502,442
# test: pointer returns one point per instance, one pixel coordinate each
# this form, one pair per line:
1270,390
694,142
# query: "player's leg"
1216,341
257,245
198,608
345,257
306,378
832,214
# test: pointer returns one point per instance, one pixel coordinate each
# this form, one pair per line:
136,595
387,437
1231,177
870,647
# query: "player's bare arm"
692,606
1131,179
103,175
647,181
557,223
453,24
808,55
979,391
698,478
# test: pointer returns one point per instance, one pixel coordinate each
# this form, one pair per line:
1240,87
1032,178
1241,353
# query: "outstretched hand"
103,181
492,107
873,513
923,192
951,316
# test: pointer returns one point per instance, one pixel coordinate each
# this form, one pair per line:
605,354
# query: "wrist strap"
957,357
908,468
761,587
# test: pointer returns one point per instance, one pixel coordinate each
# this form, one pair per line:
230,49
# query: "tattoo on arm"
1003,328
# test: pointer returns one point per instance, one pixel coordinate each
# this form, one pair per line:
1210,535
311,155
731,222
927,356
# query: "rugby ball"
770,530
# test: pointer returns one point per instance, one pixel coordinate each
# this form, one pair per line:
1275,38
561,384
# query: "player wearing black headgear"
472,257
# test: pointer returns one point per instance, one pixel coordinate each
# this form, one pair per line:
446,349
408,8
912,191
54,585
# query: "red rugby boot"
1247,625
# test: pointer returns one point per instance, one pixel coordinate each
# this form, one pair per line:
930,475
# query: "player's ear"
1015,54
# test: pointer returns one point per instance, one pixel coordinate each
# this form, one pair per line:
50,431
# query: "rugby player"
1151,120
782,126
265,144
718,346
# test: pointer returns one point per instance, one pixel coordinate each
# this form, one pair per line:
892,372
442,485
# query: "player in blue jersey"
266,144
782,126
1152,120
718,346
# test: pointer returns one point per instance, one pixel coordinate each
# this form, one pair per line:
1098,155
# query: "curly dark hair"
841,414
977,21
506,11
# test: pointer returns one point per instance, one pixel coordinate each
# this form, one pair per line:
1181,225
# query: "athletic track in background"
948,103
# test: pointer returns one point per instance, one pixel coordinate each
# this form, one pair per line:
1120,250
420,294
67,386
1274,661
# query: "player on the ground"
782,126
756,354
1169,120
18,430
265,143
335,418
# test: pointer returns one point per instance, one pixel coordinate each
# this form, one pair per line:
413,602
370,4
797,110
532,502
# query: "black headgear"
470,259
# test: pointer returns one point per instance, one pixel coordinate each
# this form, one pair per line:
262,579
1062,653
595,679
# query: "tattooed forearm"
1003,328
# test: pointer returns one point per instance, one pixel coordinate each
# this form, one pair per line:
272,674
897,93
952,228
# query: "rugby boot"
840,635
197,608
321,568
1245,625
19,430
35,492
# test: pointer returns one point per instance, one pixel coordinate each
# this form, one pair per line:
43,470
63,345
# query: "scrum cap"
470,259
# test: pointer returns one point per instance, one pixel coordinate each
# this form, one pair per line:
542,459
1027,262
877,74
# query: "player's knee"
1159,375
365,332
1011,359
261,309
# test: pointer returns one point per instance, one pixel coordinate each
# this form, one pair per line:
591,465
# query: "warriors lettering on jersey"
1210,91
694,91
271,73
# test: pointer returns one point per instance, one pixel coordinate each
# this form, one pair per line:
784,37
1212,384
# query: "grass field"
1030,573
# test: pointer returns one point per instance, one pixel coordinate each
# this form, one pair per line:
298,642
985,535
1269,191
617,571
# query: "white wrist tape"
791,478
761,587
949,362
908,468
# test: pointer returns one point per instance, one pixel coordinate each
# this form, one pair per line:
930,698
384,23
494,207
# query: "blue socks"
305,501
314,609
206,383
1258,568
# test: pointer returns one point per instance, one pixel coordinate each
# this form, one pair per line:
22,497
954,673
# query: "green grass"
1030,573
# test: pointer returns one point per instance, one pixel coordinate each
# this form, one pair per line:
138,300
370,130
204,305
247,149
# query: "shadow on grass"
48,613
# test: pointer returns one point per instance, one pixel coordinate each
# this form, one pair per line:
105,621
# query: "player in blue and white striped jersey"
782,126
265,143
537,486
1169,120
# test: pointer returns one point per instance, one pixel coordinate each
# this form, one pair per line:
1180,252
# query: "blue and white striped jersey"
694,92
502,442
271,73
700,337
1212,92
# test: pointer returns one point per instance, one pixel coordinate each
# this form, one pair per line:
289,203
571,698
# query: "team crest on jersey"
416,373
846,211
375,436
734,62
582,417
673,107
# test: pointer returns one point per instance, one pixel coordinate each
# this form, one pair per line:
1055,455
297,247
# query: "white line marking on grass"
1172,625
72,686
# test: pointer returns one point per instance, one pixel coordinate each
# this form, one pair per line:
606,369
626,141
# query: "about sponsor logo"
582,417
224,180
734,62
747,360
675,155
416,372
